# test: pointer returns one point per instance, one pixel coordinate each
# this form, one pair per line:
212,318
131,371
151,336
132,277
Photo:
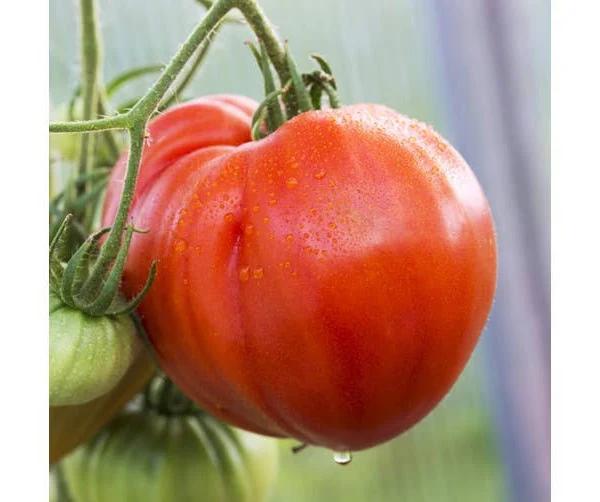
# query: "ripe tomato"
328,282
144,456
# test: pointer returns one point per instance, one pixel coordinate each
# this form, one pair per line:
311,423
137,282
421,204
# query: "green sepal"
324,66
259,113
122,78
302,96
110,288
275,115
58,241
132,304
80,264
316,93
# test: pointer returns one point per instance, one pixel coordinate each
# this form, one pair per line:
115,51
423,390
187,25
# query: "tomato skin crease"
327,283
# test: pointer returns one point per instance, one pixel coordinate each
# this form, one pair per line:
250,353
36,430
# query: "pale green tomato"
143,456
88,355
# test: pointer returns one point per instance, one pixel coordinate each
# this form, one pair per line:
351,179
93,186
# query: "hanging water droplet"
342,457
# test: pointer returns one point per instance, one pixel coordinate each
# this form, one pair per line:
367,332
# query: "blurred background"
479,72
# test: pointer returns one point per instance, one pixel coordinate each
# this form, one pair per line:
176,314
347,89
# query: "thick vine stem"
121,121
263,29
111,247
136,119
90,68
201,53
150,101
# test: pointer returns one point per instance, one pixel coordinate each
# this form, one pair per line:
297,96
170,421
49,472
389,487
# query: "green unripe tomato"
88,355
149,457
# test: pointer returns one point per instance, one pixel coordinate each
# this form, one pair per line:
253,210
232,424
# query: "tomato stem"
201,54
90,69
111,254
264,31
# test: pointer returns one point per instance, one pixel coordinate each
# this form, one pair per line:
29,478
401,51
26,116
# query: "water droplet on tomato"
342,457
258,273
320,174
255,209
291,183
289,237
180,245
249,229
228,217
244,274
272,202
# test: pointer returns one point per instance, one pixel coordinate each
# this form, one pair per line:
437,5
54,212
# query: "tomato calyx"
308,89
90,285
163,397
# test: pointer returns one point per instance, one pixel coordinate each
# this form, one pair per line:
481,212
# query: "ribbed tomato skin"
327,283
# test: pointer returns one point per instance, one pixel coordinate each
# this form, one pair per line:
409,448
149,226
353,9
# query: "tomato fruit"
328,282
146,456
88,354
71,426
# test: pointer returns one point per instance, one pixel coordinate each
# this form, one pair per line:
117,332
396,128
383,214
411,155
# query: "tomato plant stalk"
136,119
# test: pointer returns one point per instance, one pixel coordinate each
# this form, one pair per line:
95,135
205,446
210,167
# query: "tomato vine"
102,281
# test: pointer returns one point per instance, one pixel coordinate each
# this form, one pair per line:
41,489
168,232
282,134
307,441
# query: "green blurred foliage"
380,52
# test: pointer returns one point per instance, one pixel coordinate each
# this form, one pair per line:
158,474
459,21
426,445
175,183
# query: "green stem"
334,100
136,119
122,121
90,68
111,247
264,31
148,104
201,53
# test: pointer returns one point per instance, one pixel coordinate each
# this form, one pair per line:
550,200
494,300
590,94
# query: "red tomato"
327,283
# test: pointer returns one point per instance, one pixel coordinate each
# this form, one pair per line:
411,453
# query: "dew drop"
289,237
291,183
244,274
272,202
255,209
228,217
258,273
320,174
180,245
249,229
342,457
